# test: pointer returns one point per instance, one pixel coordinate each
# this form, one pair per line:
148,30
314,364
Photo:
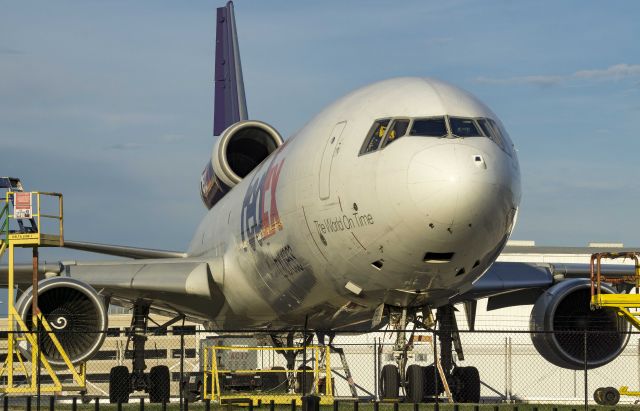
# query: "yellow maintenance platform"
279,390
625,305
21,222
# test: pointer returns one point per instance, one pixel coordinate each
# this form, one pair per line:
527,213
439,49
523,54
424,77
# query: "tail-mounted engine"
562,318
76,314
238,150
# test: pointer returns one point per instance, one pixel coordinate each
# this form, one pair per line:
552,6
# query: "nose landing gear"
423,383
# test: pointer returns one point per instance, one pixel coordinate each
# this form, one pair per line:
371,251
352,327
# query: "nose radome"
452,183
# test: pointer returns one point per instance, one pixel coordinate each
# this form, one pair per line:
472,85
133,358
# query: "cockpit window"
506,140
492,131
464,127
429,127
484,125
397,130
376,134
387,130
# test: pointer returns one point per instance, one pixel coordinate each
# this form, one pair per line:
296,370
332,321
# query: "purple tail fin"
230,105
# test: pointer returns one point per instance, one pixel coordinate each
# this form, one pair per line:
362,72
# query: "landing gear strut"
157,382
294,380
423,382
464,381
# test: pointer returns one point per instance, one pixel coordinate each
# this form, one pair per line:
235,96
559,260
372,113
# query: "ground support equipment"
626,306
227,384
22,373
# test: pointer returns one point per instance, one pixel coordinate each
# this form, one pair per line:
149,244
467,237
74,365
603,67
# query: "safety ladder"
24,357
348,377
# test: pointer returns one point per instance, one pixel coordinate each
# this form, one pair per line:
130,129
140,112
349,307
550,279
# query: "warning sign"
22,207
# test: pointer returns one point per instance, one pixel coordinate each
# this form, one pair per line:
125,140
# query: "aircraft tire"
390,382
119,385
611,396
598,396
159,380
431,383
415,384
467,385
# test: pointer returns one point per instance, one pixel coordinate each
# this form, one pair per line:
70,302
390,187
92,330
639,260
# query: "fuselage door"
331,149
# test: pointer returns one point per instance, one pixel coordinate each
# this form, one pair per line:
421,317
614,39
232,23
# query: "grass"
343,406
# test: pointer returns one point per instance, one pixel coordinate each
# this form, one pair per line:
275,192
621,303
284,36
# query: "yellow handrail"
38,238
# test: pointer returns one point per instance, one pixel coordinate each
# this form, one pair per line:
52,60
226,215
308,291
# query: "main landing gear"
303,382
157,381
283,380
422,383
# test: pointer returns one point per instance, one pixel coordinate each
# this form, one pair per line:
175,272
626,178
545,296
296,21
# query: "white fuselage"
323,230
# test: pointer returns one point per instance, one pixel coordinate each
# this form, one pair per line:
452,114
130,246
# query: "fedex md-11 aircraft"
392,202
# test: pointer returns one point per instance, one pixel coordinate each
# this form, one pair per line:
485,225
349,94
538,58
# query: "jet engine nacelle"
75,312
558,322
238,150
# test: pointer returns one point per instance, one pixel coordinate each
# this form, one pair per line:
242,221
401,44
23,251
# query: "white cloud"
543,81
615,72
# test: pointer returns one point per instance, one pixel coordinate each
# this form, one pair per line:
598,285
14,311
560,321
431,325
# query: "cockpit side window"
496,132
464,127
506,139
484,125
398,129
429,127
377,132
491,130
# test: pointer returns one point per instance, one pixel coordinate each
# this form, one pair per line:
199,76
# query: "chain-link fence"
184,367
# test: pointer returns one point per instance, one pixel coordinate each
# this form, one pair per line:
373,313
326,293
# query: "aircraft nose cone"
456,186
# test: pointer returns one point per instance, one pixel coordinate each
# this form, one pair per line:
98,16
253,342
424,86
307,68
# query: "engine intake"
238,150
76,314
559,319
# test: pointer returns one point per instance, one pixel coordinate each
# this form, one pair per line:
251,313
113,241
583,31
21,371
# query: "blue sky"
111,102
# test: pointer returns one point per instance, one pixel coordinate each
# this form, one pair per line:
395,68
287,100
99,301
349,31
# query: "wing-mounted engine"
76,313
238,150
559,319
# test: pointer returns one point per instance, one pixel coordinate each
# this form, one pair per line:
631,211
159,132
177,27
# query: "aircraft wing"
554,250
508,284
122,251
184,286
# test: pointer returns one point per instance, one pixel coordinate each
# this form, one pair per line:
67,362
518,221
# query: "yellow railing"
39,238
4,225
213,373
22,341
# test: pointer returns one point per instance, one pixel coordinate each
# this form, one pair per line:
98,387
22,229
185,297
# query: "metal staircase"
20,219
